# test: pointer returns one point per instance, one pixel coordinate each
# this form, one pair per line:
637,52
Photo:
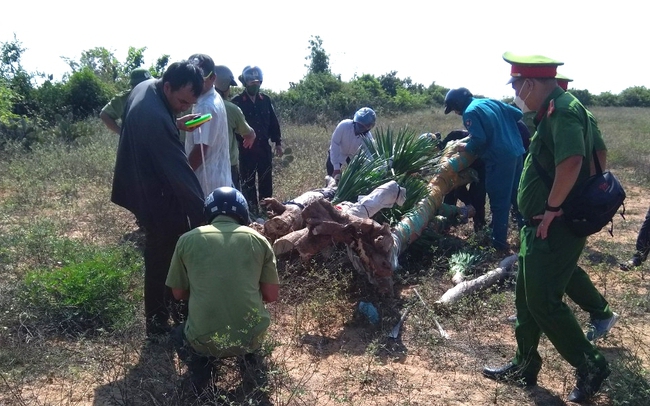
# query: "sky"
451,43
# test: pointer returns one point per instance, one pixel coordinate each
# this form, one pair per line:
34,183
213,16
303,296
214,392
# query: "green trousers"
547,270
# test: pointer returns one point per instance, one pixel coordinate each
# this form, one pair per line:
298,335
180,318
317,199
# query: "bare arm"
110,123
566,174
602,158
180,294
270,291
195,157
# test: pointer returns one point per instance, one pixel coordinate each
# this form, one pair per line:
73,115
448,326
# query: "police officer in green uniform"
602,319
549,252
115,107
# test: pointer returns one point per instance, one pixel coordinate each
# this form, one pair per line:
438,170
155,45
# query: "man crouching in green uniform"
226,271
549,252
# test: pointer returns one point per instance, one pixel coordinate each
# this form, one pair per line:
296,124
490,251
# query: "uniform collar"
548,106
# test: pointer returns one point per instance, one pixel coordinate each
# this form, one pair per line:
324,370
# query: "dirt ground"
348,364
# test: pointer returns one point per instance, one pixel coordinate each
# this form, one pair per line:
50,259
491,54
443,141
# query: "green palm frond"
393,155
360,177
406,152
461,262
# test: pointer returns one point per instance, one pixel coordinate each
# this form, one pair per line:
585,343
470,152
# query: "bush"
83,297
86,94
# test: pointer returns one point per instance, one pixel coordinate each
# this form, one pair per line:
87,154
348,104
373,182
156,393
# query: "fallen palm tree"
310,222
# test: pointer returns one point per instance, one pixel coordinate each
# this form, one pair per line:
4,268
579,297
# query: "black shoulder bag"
593,204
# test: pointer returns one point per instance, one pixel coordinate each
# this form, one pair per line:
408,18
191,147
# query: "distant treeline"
34,106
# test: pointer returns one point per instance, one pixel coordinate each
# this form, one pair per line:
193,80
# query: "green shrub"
85,94
86,296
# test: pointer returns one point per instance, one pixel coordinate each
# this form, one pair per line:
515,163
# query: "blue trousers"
501,183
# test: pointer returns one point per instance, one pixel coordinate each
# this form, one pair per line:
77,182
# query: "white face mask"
521,103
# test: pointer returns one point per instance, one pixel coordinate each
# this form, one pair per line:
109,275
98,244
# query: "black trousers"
329,166
234,171
203,369
643,239
474,195
253,163
159,303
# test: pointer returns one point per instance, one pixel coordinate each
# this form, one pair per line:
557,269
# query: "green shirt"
115,107
565,129
236,124
222,265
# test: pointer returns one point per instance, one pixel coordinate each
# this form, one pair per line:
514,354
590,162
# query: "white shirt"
215,170
345,143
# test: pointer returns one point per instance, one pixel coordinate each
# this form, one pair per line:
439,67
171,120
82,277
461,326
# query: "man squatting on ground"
549,252
226,271
154,181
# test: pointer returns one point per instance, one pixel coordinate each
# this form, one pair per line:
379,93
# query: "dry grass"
322,352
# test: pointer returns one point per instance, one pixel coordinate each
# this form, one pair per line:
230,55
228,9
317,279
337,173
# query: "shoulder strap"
546,178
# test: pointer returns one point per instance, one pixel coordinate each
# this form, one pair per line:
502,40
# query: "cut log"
287,217
465,288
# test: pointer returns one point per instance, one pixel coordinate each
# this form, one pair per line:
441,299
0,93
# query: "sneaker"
599,328
512,319
636,260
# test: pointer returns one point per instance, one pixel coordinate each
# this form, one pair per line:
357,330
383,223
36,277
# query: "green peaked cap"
531,66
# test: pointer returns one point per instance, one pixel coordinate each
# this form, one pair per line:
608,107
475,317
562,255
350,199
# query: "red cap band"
528,71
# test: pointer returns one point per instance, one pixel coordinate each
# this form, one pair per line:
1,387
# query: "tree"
158,69
319,61
390,82
85,94
637,96
11,53
16,77
607,99
134,59
100,61
7,97
583,95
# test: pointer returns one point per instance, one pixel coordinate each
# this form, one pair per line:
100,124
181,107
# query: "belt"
532,222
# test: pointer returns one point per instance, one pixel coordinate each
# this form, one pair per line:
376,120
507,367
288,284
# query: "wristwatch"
552,208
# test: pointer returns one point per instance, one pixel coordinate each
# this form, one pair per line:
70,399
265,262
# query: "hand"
547,218
180,122
249,140
461,146
278,150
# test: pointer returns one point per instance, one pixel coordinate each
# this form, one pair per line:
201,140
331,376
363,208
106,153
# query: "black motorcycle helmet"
228,201
457,100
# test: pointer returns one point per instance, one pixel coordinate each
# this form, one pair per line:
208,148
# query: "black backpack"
593,204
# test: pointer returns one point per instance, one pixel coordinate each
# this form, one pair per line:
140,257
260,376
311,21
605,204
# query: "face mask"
252,89
521,103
